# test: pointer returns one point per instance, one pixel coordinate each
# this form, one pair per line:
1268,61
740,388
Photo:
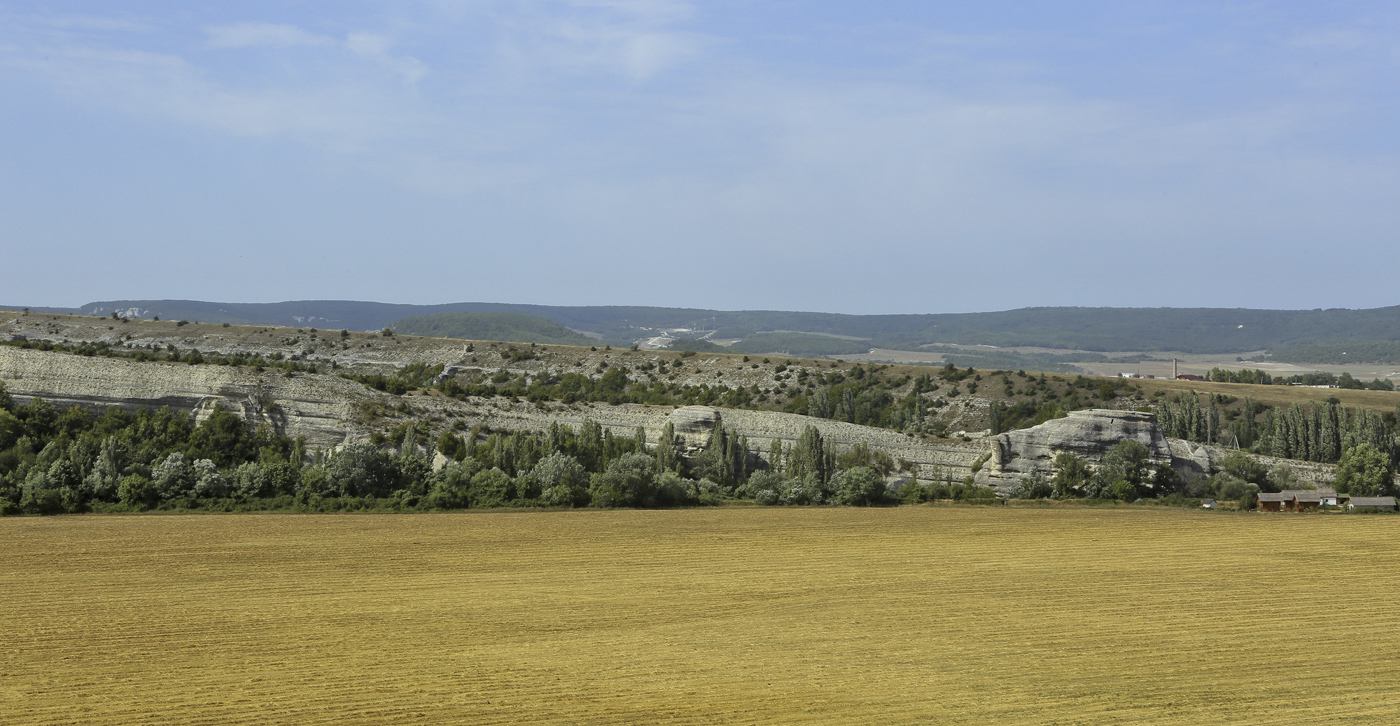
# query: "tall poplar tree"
667,451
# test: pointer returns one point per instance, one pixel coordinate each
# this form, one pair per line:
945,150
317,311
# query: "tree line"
1313,431
1126,473
55,461
1311,378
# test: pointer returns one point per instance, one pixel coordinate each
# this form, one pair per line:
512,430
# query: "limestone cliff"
1086,434
1089,435
694,426
317,407
330,411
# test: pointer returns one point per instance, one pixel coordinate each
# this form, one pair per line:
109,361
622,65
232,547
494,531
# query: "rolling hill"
1292,333
511,327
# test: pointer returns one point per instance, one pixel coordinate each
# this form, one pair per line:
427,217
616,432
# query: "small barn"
1372,503
1271,502
1301,500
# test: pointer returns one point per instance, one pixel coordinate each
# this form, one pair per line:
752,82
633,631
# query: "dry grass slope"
909,615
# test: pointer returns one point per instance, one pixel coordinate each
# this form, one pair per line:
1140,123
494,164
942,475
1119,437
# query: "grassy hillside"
509,327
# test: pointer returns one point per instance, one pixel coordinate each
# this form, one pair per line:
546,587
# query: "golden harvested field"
735,615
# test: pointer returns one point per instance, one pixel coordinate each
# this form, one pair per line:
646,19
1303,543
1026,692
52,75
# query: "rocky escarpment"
1090,434
331,411
317,407
694,426
1086,434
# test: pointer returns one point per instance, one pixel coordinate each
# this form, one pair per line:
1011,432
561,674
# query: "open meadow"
936,615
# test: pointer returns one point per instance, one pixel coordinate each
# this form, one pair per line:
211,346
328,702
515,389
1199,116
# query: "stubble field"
761,616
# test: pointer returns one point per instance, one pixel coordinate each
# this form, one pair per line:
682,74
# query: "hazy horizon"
87,303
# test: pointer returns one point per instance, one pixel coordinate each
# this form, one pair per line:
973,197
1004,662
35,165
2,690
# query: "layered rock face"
326,409
1086,434
316,407
695,425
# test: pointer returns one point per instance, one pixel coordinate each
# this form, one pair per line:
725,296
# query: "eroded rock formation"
317,407
330,411
1086,434
695,425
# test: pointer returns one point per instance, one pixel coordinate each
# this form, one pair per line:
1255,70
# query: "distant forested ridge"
511,327
1356,352
1292,333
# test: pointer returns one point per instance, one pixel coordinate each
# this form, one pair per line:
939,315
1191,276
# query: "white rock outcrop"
1086,434
695,425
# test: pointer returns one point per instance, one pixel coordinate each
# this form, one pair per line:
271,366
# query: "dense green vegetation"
511,327
1315,431
1127,474
72,461
1309,432
1359,351
646,382
869,395
1313,378
1294,335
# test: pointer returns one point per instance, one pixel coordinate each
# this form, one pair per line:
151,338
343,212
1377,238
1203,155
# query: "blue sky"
875,157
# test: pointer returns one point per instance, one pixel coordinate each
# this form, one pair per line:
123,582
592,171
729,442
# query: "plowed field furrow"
730,616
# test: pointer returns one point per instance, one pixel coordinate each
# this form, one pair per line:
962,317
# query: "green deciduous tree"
1071,473
173,477
561,480
1123,472
361,470
668,452
628,481
223,438
1247,468
491,488
1365,472
861,486
809,457
1034,486
137,491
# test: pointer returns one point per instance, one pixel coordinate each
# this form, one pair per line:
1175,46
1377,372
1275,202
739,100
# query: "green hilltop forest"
1335,335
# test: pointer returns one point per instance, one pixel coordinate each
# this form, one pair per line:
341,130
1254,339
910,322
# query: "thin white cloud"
375,46
633,52
92,23
166,86
638,40
247,35
662,12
